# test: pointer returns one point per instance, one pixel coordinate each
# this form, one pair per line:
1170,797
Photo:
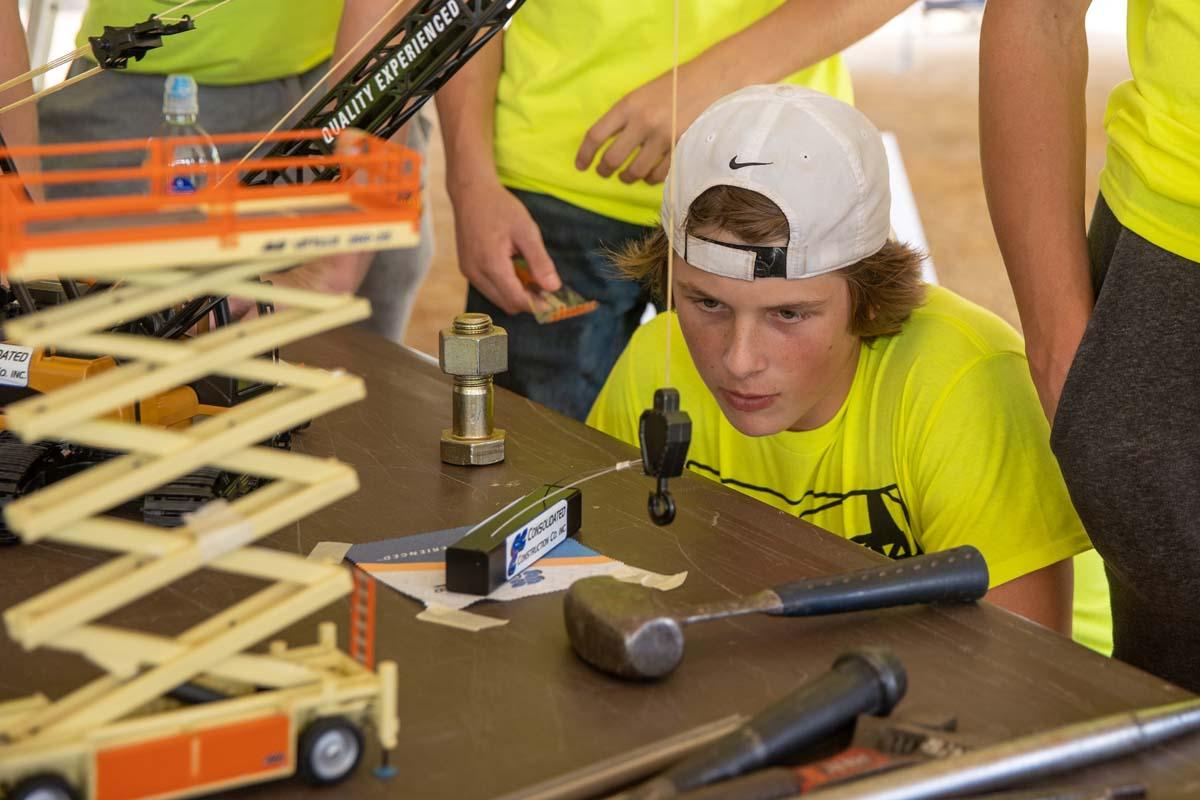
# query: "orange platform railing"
378,181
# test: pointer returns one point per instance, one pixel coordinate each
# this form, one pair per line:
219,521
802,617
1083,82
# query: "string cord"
672,193
71,56
554,490
320,82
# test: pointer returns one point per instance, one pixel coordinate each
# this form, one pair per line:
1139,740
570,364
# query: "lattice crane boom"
390,83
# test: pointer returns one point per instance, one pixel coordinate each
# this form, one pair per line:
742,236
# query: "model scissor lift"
182,715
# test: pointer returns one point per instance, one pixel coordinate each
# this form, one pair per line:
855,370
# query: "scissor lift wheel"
46,786
329,750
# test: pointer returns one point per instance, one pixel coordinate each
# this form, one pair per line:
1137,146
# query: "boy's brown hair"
884,287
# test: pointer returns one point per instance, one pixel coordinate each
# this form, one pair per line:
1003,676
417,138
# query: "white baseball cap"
821,161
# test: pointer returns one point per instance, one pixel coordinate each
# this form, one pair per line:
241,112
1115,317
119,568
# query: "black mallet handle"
866,681
959,575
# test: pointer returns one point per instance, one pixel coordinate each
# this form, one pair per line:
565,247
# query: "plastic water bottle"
181,107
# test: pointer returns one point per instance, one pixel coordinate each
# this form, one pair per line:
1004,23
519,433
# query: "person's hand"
492,227
242,308
336,274
342,273
641,122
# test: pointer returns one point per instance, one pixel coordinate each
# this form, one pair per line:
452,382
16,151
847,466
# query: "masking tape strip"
652,580
462,620
330,552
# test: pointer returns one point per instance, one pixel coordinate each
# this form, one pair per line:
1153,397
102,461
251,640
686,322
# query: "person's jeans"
563,365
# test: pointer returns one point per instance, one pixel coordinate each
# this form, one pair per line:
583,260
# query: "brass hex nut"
473,354
472,452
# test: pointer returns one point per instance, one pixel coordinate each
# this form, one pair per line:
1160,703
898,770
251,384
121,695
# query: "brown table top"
486,713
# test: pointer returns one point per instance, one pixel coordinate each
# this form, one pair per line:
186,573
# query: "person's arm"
796,35
345,273
358,17
1032,73
1044,596
491,225
20,125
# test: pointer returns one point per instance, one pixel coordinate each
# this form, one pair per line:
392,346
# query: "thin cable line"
58,87
672,194
208,10
49,65
179,7
353,49
71,56
553,491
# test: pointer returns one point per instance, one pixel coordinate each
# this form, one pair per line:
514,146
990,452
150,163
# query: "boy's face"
776,353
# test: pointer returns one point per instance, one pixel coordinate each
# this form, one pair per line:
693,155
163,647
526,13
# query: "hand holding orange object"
492,227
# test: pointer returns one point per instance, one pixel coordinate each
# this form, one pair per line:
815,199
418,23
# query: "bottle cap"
181,96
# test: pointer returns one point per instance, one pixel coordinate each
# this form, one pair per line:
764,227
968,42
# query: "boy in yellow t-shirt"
822,376
557,137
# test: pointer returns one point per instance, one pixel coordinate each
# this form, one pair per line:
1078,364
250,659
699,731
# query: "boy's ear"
871,313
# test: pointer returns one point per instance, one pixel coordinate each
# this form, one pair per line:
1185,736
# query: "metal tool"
630,631
665,433
879,745
866,681
1131,791
473,350
624,768
925,736
1029,758
776,782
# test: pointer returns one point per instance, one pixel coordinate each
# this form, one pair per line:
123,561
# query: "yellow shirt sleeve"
619,405
985,475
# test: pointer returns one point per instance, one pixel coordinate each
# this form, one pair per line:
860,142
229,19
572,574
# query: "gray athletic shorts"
1127,435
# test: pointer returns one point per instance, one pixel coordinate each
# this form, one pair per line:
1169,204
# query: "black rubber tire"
166,505
43,786
24,468
328,751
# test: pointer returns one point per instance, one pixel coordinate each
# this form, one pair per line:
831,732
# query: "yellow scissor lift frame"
260,715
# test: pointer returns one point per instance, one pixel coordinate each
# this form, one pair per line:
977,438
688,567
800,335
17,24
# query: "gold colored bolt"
473,350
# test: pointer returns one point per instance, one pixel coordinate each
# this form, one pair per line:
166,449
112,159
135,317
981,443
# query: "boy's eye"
707,303
791,314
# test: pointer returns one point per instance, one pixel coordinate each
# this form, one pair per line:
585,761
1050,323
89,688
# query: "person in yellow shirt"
821,375
556,139
253,59
1110,313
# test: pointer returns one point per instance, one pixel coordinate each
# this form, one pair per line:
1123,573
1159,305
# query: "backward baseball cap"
820,160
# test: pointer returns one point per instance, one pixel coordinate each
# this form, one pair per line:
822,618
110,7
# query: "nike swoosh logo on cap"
733,163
